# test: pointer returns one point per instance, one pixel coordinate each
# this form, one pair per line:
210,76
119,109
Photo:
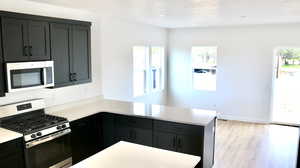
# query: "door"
61,53
189,144
164,140
39,42
286,82
81,54
15,40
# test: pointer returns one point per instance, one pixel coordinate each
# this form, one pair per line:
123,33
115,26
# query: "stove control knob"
58,127
63,126
39,134
33,136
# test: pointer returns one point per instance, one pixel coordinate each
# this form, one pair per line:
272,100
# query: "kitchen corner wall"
245,68
66,94
118,37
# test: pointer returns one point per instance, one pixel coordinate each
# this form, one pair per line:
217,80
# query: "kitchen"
67,89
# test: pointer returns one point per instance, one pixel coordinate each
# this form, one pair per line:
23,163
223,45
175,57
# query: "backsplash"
55,96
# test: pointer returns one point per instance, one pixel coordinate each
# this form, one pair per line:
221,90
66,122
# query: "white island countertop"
7,135
81,109
129,155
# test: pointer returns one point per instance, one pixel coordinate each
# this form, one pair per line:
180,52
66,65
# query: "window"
148,64
204,64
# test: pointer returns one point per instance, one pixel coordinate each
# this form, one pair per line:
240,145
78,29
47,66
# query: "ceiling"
193,13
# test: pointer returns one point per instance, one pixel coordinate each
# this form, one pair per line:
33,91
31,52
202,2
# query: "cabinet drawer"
178,128
134,122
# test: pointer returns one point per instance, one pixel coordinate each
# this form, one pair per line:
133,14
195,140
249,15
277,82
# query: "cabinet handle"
179,143
174,142
30,50
25,50
75,76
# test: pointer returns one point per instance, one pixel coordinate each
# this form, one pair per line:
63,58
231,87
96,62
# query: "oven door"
53,151
29,75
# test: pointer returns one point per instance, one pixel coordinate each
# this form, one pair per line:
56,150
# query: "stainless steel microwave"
29,75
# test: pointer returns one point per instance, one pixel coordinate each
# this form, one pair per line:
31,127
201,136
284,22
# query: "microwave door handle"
45,76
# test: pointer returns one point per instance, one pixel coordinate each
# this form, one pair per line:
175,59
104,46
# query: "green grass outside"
291,66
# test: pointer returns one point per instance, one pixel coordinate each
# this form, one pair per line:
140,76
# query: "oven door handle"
47,138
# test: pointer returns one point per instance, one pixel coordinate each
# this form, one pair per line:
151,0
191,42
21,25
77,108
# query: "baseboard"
243,119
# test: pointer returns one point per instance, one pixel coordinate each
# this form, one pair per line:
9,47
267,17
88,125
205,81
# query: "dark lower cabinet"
134,129
189,139
11,154
86,138
107,129
165,140
94,133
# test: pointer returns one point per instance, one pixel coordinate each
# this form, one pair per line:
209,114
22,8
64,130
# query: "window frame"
148,80
192,68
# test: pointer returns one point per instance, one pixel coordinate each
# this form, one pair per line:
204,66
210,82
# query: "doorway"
286,86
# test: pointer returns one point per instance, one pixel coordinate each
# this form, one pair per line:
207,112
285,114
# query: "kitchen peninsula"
97,124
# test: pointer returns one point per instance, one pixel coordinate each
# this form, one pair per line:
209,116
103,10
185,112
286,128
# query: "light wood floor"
246,145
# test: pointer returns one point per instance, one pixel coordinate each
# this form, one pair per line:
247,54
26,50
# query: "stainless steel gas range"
47,138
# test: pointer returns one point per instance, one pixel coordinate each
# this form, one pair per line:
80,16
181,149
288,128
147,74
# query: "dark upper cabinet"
38,39
81,54
25,40
70,50
86,138
15,40
11,154
61,53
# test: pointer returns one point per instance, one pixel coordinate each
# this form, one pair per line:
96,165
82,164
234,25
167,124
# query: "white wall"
118,37
66,94
244,76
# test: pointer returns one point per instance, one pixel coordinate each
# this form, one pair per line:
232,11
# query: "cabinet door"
164,140
123,133
61,53
108,130
190,144
11,154
15,40
81,54
85,138
39,42
2,82
142,136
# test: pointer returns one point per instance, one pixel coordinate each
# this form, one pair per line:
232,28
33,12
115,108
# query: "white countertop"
129,155
80,109
7,135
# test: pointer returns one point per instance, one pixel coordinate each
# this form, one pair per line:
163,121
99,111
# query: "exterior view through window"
286,107
148,65
204,64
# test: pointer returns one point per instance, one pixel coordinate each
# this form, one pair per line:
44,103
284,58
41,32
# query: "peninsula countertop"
7,135
129,155
84,108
